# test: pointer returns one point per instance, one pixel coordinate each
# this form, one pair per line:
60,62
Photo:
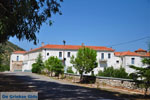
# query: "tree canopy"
85,61
23,18
53,64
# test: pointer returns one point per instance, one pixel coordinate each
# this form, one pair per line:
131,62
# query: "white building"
106,57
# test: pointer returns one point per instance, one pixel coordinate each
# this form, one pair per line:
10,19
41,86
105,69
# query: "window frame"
60,54
109,55
17,59
69,54
47,53
102,56
133,61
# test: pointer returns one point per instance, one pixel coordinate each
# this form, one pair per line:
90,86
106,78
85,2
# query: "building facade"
106,57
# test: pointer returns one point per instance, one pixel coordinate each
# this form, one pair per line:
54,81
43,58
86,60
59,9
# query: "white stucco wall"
115,61
30,58
127,62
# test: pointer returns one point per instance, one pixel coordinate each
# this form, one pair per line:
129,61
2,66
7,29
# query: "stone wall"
109,81
116,82
16,66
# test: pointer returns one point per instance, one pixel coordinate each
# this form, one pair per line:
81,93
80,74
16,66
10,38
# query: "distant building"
106,57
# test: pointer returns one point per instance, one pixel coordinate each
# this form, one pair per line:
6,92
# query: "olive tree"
85,61
53,64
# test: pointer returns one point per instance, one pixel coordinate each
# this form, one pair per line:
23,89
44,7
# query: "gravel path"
51,89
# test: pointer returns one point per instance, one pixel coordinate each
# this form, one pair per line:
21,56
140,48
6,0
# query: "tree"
23,18
142,75
53,64
38,65
85,61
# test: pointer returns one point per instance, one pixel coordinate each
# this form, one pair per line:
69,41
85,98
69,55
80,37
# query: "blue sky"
97,23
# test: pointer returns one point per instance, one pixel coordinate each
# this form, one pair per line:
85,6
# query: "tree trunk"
81,77
51,74
145,93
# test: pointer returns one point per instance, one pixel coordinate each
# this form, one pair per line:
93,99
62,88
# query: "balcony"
103,60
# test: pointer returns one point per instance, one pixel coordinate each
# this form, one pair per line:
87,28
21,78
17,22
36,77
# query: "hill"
6,50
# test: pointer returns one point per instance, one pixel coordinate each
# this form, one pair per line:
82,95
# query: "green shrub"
38,65
36,68
69,70
4,68
111,72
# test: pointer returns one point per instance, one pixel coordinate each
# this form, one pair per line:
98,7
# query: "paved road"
50,89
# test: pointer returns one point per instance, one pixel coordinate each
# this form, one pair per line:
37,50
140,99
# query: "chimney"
82,44
42,44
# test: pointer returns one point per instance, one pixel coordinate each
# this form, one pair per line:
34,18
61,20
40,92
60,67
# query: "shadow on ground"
49,90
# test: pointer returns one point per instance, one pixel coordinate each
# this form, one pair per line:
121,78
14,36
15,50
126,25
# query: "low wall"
116,82
109,81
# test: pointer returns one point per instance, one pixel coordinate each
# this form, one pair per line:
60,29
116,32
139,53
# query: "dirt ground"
56,89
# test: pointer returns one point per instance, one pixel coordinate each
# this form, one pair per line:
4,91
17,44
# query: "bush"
111,72
36,68
38,65
69,70
4,68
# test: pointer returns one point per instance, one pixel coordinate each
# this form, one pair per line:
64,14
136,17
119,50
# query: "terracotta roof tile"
140,50
72,47
126,53
118,53
19,52
147,54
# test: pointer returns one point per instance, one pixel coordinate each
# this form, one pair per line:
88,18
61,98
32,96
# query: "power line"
130,41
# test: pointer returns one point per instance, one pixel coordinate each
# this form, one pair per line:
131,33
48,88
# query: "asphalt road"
50,89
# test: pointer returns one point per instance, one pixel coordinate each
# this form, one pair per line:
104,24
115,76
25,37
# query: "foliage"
23,18
4,68
85,61
5,51
146,61
53,64
111,72
38,65
69,70
142,75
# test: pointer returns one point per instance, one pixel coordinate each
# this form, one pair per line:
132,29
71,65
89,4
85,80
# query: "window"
68,54
117,61
60,54
109,55
132,60
47,54
102,56
17,58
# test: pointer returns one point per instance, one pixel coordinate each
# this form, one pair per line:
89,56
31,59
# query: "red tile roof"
72,47
128,53
147,54
118,53
140,50
19,52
